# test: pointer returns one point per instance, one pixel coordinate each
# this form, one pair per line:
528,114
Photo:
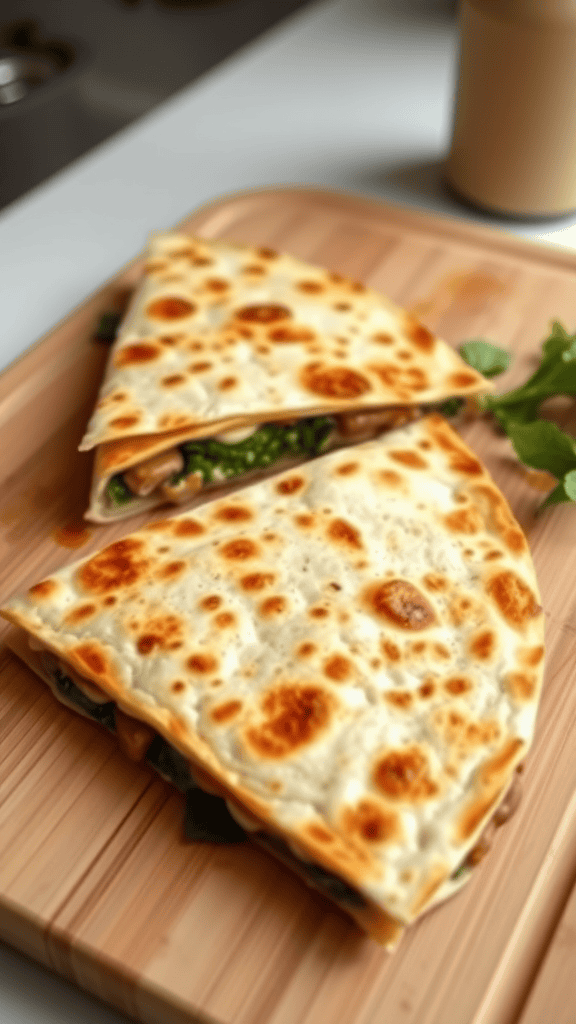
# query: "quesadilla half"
345,660
232,360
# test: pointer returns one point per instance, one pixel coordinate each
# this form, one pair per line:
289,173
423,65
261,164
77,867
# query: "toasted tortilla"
221,336
351,653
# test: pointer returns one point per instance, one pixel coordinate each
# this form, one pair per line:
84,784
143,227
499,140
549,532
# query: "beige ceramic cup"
513,148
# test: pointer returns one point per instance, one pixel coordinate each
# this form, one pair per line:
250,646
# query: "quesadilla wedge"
233,360
347,657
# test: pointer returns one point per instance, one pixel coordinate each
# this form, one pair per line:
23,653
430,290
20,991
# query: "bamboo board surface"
95,880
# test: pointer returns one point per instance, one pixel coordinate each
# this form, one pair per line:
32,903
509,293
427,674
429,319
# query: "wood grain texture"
95,879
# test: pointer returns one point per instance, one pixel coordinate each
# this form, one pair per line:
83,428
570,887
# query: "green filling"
118,491
270,442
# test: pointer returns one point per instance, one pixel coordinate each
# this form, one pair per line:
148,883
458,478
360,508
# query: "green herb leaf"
451,406
543,445
556,375
485,357
108,327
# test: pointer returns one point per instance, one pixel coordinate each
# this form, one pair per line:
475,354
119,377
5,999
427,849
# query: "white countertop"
350,94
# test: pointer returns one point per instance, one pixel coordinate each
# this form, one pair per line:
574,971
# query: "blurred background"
74,73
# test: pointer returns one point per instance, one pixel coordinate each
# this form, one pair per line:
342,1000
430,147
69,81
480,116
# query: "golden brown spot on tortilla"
428,689
372,823
255,581
91,656
170,307
239,549
225,619
338,668
342,307
342,532
462,609
173,380
226,383
499,516
382,338
310,287
319,612
266,253
461,460
440,651
178,686
319,833
187,528
403,775
391,650
216,284
272,606
171,570
200,367
290,484
514,598
202,663
290,334
419,335
461,379
304,520
110,600
334,381
464,520
399,698
233,513
521,685
264,313
409,458
118,565
254,268
224,712
389,477
457,685
210,603
148,642
123,422
170,421
492,555
434,581
419,647
483,645
294,715
347,468
491,782
162,630
401,603
306,649
532,656
79,614
499,763
139,352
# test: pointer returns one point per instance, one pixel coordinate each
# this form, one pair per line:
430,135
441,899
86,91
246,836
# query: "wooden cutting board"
95,880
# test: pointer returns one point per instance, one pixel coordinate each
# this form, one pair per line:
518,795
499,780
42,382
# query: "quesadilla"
232,360
344,661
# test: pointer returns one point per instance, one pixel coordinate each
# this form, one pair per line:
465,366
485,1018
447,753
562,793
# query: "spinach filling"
207,818
102,713
217,460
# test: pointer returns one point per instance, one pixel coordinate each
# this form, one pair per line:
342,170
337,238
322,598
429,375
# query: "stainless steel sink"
72,74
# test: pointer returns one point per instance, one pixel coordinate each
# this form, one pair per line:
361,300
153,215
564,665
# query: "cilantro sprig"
537,442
